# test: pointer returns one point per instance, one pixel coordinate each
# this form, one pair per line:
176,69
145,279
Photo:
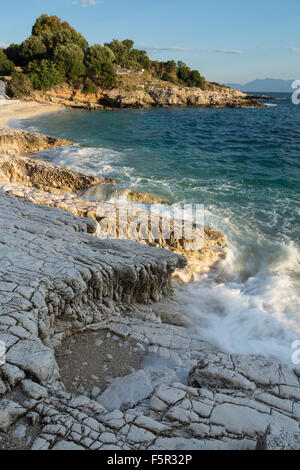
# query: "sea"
243,165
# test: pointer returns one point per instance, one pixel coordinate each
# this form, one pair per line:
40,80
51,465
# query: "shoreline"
17,109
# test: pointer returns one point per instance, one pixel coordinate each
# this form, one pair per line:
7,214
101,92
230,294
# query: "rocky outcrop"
44,175
52,272
202,246
15,142
152,93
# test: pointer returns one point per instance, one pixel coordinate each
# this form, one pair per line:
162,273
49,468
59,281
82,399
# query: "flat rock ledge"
57,279
15,142
203,248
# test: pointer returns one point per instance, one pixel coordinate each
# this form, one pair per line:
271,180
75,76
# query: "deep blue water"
244,166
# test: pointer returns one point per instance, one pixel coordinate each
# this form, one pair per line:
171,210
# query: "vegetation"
20,85
56,53
6,66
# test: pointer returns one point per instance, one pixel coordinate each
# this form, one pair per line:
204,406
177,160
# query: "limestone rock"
126,391
10,411
202,247
17,141
278,439
150,93
44,175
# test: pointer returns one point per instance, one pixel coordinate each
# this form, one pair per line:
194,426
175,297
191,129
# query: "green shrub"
20,85
6,67
89,87
103,74
44,75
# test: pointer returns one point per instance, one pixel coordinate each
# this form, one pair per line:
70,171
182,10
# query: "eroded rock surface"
15,142
44,175
57,279
149,94
204,247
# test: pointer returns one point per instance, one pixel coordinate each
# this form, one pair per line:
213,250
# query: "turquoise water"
244,166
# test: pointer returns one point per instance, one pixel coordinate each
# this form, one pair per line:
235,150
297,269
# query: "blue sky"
226,40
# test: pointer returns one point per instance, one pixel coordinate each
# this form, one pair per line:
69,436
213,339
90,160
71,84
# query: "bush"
20,85
196,80
89,87
44,75
103,74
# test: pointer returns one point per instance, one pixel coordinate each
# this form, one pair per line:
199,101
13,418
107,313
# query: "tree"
97,54
6,66
138,59
33,49
69,60
44,75
103,74
196,80
183,72
171,72
55,32
13,53
128,43
69,36
46,23
120,51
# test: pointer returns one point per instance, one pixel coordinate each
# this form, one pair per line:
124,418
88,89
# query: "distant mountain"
265,85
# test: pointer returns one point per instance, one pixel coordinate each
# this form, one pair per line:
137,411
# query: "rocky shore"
65,287
147,95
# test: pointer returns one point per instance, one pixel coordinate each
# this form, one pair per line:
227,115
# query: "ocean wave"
251,317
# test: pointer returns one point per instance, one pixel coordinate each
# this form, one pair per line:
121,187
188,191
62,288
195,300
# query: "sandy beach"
16,109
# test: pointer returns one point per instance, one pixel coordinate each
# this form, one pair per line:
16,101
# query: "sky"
226,40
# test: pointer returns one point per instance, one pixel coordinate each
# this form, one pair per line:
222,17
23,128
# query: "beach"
15,109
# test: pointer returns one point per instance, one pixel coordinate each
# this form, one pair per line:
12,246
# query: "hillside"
266,85
56,63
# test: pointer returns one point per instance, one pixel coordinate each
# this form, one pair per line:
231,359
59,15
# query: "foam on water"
256,316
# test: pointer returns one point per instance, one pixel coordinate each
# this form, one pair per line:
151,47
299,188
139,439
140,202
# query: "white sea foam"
95,161
259,315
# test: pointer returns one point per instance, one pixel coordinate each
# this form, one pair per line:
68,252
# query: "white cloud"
229,51
295,49
84,3
3,45
157,49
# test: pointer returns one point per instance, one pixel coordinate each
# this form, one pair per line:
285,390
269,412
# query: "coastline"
17,109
